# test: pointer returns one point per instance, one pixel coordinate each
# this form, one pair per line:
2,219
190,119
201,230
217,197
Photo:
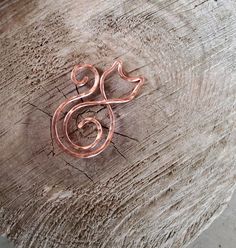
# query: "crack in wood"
52,143
123,135
77,90
119,152
61,92
43,111
197,5
76,168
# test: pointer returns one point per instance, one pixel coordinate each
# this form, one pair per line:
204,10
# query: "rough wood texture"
170,170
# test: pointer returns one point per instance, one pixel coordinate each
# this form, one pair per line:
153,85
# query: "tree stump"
170,169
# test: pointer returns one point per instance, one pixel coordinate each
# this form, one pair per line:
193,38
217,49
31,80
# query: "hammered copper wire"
95,147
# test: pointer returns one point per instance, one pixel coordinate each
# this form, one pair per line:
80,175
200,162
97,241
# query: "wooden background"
170,170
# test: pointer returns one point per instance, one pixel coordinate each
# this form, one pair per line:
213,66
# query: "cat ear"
118,66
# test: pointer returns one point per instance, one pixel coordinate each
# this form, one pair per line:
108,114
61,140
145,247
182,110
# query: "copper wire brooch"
96,147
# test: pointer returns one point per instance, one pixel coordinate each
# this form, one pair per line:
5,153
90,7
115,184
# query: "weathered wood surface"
171,168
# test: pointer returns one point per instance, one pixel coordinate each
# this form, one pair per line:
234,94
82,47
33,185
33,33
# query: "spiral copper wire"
96,147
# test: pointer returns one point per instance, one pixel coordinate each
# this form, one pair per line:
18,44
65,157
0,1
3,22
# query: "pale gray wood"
171,168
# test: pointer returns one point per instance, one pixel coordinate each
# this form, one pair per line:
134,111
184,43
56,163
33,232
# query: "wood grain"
170,170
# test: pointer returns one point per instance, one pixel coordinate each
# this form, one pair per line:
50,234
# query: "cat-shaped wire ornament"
97,146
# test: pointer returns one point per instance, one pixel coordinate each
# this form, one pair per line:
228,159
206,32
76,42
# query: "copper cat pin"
100,143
